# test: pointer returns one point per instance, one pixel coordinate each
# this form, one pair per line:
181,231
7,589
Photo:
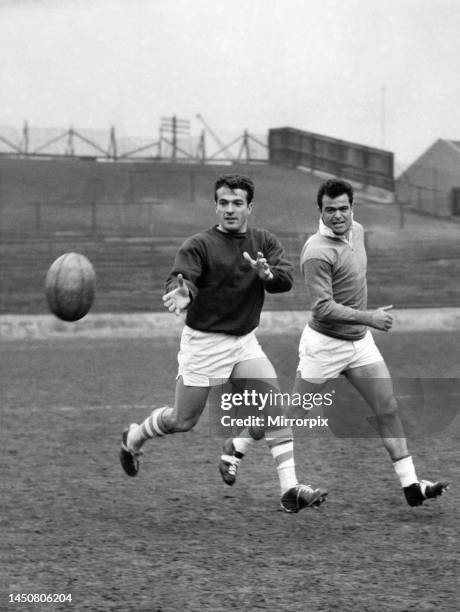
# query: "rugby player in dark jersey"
219,279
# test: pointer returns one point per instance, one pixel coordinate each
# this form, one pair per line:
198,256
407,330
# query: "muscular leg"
259,368
259,374
303,387
375,385
261,371
189,403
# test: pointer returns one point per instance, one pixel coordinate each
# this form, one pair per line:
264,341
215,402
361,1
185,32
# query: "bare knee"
388,420
387,409
188,405
177,423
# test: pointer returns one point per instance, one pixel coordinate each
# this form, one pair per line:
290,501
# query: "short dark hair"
235,181
334,188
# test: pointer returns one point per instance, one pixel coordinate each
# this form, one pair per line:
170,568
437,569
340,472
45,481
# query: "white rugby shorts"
204,356
323,357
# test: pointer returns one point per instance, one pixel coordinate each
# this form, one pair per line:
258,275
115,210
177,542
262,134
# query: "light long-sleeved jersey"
227,294
335,273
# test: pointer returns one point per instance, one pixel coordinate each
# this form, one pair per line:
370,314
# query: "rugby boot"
129,458
229,462
302,496
418,492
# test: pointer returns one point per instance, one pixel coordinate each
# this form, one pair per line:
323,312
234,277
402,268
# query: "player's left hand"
260,265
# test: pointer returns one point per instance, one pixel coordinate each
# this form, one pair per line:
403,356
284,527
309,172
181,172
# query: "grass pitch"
176,537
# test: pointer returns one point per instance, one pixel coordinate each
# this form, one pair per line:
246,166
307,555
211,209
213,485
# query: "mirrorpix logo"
243,409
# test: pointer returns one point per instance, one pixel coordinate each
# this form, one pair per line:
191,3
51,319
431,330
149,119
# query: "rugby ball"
70,286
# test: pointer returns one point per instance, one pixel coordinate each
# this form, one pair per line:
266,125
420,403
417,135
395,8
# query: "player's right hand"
178,299
382,319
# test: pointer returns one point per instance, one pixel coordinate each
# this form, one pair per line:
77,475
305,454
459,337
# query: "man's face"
337,214
232,209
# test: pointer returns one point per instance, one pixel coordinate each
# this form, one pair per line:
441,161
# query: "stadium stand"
129,219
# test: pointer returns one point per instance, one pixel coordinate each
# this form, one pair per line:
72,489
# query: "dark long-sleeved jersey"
227,294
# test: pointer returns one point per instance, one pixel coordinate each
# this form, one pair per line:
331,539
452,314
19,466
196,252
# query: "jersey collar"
326,231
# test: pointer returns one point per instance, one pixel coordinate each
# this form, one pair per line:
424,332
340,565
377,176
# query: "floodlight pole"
382,118
174,126
25,138
245,147
201,149
112,152
70,148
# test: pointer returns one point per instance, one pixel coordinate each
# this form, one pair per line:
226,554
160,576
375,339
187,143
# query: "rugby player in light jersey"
219,278
337,340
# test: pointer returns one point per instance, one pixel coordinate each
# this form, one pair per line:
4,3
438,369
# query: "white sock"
283,453
133,437
241,445
405,471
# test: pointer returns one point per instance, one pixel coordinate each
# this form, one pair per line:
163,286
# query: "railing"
173,143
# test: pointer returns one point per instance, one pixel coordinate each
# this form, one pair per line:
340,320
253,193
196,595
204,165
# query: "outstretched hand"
178,299
382,319
260,265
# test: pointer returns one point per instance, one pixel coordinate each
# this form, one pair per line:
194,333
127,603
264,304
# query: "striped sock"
281,445
151,427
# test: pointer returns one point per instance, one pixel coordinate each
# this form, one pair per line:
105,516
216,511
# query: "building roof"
455,144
